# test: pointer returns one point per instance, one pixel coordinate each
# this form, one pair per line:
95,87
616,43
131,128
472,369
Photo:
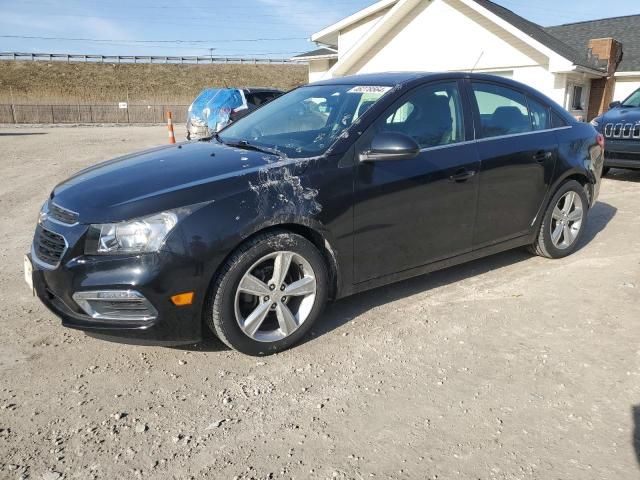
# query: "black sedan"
334,188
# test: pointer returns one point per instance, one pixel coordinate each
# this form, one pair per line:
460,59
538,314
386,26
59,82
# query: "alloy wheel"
275,296
566,220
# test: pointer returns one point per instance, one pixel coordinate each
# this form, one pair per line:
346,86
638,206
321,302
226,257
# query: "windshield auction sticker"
369,89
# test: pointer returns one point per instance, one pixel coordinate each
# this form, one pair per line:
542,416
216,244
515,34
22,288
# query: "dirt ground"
510,367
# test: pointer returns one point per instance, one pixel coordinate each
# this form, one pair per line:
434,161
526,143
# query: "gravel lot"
510,367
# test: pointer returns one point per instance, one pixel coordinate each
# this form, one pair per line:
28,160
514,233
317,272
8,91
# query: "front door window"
432,116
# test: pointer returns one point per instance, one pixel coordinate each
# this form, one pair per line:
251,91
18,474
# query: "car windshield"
306,121
633,100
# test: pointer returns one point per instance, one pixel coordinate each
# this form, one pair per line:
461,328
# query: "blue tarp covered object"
212,107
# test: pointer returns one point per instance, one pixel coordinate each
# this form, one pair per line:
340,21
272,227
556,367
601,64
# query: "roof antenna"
477,61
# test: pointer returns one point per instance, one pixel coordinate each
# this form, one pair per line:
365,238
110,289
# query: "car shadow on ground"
635,439
599,217
624,175
345,310
20,134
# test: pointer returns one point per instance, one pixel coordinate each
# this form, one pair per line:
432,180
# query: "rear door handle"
462,175
541,156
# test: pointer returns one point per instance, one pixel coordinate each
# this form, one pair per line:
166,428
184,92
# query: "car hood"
158,179
622,115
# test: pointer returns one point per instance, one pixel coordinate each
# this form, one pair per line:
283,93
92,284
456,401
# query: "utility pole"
211,54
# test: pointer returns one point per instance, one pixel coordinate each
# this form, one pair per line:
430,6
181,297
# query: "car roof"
393,79
374,79
402,79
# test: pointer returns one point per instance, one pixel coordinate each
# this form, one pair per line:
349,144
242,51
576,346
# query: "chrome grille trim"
62,215
608,129
617,130
622,130
119,305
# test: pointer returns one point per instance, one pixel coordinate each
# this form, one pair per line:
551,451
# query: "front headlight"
596,121
141,235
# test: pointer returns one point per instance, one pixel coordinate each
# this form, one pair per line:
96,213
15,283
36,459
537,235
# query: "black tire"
605,171
220,309
543,246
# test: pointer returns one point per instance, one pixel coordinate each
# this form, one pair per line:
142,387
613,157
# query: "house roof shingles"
576,55
320,52
624,29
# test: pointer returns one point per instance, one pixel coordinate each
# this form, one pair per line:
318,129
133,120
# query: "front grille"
49,247
62,215
622,130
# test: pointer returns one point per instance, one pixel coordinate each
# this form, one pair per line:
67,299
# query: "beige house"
582,66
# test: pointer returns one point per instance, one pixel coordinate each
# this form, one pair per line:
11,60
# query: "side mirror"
391,146
615,104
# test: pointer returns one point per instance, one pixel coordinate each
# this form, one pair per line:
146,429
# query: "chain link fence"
30,114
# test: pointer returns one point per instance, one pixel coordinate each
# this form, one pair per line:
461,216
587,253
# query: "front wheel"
564,222
268,294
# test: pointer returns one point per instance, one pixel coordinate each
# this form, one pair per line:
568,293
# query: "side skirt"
442,264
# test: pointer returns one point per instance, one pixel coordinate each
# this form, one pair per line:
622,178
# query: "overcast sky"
268,28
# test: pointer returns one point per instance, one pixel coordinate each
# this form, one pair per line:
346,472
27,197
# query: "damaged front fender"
276,194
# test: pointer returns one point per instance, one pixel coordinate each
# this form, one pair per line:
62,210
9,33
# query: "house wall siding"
349,36
447,35
625,86
318,68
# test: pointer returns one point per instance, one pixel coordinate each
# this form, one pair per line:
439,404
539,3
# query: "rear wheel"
269,294
605,171
564,222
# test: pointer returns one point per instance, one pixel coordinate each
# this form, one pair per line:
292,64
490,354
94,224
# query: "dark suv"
332,189
621,129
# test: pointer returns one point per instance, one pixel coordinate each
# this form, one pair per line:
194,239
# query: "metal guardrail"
196,60
109,113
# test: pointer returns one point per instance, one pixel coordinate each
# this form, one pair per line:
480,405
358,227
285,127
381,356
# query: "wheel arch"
321,243
313,235
583,178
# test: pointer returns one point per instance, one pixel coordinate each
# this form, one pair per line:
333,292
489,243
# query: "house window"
576,100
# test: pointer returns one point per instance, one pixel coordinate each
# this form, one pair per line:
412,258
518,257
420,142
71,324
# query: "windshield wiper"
215,136
249,146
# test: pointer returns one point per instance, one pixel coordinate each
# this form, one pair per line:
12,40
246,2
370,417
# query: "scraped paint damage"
279,190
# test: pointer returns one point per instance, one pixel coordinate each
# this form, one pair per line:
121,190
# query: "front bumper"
622,153
157,276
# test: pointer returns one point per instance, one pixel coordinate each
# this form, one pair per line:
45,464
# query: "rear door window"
503,111
540,117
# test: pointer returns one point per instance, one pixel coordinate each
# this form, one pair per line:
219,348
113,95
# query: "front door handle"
541,156
462,175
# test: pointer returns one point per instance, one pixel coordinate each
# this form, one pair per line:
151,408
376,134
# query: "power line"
111,40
